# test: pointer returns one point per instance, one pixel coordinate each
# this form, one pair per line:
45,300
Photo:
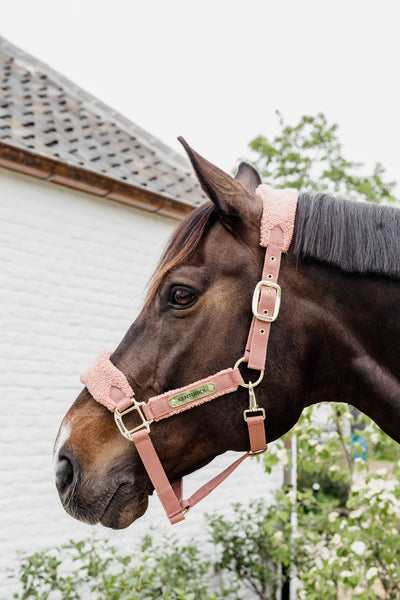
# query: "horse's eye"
182,297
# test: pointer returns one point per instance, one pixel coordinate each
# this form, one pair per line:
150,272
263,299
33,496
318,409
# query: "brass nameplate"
198,392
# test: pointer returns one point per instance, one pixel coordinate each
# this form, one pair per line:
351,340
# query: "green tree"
309,156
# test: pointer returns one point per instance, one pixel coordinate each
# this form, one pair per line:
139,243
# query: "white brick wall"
73,271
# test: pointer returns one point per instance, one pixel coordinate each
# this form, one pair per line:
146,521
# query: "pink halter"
109,386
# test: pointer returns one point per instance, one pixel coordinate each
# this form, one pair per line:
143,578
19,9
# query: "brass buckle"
118,417
256,299
253,406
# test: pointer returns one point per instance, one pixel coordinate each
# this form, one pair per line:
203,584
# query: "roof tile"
43,112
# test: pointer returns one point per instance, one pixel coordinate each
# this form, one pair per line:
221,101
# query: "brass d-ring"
247,385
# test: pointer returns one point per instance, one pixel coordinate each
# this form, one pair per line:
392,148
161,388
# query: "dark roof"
49,123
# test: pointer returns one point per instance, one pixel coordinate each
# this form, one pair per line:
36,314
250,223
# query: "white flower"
334,468
319,448
337,539
391,485
374,438
390,497
358,460
283,456
313,442
371,573
358,486
345,573
378,486
324,553
333,434
355,514
394,510
358,590
358,547
278,535
333,516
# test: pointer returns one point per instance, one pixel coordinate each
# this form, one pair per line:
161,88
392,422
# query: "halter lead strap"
109,386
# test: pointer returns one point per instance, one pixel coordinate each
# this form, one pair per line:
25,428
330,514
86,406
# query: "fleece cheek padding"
279,208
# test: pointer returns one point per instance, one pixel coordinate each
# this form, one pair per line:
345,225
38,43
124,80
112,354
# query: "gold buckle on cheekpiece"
256,299
118,417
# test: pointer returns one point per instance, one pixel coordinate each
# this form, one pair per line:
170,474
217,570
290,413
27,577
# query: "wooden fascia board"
48,169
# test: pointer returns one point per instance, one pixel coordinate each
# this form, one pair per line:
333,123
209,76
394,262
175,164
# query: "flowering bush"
348,547
253,545
346,543
94,570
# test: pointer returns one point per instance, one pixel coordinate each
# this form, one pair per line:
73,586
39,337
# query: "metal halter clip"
253,406
145,424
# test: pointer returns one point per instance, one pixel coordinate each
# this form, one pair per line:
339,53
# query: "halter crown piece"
109,386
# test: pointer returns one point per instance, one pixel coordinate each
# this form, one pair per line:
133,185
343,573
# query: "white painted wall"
73,270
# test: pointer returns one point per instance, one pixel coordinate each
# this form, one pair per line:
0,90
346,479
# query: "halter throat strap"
110,387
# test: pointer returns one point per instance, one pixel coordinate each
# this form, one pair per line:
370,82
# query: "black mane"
354,236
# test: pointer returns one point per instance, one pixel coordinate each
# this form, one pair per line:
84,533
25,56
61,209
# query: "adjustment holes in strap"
262,331
269,276
272,258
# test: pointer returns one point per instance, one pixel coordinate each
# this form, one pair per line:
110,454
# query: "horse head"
194,322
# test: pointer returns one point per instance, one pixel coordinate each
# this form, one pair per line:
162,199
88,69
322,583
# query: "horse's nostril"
64,474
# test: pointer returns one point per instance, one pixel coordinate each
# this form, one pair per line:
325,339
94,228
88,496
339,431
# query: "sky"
216,71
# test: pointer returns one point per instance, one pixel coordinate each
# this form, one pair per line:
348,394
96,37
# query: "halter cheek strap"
109,386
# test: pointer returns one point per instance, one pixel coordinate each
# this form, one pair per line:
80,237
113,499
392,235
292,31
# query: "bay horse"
337,338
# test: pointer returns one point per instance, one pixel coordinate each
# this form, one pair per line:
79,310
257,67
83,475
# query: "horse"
337,338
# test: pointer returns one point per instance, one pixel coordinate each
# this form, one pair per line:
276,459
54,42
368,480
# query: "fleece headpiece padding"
279,208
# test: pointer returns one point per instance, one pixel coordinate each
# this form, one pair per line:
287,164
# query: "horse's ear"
233,198
248,176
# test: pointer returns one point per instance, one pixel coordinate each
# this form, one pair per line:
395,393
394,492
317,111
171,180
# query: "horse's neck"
378,395
359,348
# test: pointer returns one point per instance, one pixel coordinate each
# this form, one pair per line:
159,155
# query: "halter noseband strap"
109,386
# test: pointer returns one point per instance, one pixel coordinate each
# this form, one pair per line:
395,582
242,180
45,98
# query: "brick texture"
73,273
